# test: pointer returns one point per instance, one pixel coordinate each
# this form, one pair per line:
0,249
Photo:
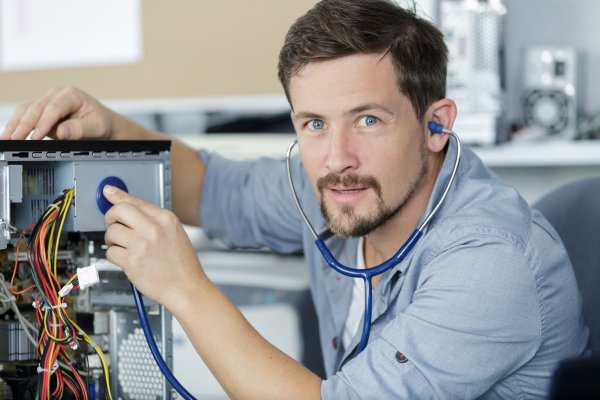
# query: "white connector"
65,290
87,276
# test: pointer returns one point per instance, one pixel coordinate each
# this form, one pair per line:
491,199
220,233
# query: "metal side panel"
134,373
144,179
11,191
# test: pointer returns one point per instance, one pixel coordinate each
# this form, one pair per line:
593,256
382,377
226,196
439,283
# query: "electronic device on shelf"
474,34
550,90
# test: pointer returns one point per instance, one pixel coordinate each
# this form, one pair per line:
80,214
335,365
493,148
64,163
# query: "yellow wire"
50,239
100,354
50,209
51,236
55,316
50,335
71,279
48,375
54,238
64,211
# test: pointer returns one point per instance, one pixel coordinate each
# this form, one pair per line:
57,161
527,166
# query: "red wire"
58,390
80,382
12,290
72,387
55,320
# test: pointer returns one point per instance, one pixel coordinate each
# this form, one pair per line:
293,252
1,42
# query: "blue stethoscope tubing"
367,274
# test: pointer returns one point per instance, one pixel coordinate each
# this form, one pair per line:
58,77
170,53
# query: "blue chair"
574,211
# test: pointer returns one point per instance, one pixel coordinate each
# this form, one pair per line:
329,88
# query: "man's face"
360,142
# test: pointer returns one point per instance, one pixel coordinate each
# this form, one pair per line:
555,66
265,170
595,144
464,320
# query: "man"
484,306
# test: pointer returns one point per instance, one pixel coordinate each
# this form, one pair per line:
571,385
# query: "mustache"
348,180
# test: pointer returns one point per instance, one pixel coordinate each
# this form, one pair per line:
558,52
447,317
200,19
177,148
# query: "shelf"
241,145
514,154
542,154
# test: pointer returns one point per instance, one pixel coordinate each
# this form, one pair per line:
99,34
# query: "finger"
12,123
77,128
36,134
117,196
30,117
64,136
130,216
116,255
51,134
119,235
64,104
119,256
70,129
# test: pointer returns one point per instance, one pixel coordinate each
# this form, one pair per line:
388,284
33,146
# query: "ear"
443,112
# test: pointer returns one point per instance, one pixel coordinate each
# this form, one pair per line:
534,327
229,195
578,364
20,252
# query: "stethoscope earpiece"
434,127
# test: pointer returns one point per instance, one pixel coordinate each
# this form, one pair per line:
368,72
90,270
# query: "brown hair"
337,28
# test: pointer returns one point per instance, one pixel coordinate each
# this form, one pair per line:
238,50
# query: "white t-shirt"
357,305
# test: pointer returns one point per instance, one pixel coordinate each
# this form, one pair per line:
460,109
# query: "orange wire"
41,237
47,342
12,279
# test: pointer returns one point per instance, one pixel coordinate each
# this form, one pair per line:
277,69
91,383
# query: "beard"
347,223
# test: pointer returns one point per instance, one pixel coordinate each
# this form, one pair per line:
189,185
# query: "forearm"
187,168
245,364
153,249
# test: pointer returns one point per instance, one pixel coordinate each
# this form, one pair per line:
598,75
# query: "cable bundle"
58,334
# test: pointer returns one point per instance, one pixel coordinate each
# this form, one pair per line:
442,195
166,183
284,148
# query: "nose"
341,156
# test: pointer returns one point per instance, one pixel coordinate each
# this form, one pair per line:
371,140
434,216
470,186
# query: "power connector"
87,276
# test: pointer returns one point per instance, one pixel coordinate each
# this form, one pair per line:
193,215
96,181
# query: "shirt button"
334,342
401,358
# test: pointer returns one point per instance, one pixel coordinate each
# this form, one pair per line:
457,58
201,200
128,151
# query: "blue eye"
368,120
316,124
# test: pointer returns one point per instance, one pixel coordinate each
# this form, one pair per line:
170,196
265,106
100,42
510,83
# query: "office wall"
203,47
191,48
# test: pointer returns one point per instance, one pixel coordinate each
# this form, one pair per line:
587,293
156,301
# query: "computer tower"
32,175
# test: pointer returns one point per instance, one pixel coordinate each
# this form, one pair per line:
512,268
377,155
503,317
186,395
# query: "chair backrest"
574,211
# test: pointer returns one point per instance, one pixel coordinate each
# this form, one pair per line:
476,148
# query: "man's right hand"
66,113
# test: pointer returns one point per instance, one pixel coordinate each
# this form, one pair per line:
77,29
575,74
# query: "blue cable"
139,304
104,205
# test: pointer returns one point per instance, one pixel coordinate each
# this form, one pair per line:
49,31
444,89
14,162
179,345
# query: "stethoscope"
367,274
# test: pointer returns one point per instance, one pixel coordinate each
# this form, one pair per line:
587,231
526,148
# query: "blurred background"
186,64
521,72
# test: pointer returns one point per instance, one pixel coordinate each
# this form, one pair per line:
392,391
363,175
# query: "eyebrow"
353,111
307,114
367,107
